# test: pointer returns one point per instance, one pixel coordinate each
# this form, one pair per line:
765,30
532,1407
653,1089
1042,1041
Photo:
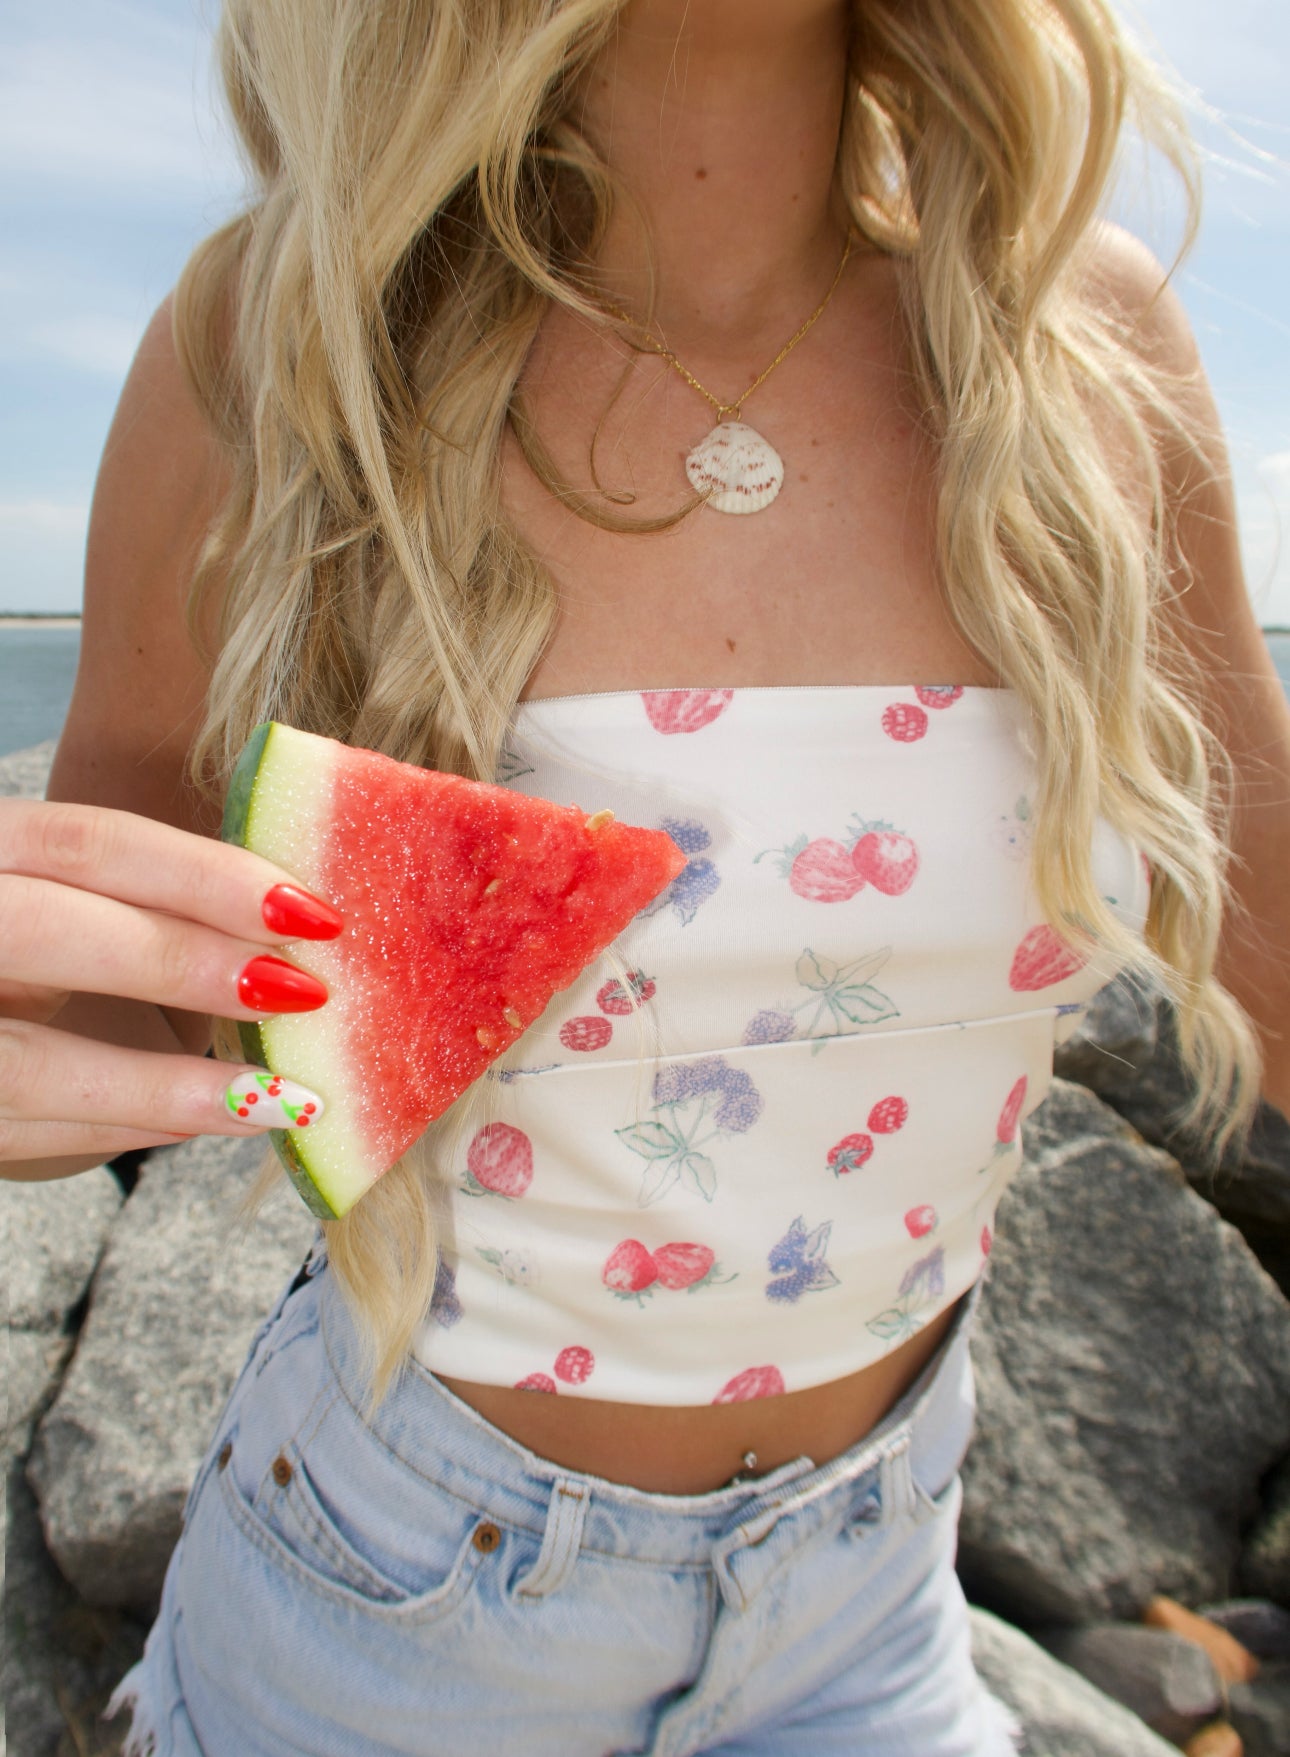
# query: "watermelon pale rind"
270,794
466,907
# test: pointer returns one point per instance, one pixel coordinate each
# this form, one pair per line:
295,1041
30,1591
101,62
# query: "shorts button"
487,1537
281,1471
225,1453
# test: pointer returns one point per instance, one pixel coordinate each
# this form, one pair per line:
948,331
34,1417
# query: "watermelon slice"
466,908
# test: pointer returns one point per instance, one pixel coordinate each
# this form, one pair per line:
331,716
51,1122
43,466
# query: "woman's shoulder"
1125,280
143,674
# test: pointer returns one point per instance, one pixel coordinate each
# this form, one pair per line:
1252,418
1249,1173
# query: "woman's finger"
38,1146
61,938
57,1080
156,866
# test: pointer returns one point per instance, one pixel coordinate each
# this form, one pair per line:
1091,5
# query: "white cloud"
43,518
99,344
1263,511
120,103
42,554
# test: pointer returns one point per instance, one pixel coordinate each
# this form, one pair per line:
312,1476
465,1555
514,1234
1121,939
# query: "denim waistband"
444,1442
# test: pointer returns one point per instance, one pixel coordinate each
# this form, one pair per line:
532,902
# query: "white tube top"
762,1142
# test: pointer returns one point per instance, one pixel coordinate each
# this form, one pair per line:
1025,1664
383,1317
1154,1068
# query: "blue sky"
114,161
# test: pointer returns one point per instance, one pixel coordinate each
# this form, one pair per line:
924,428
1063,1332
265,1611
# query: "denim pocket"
291,1523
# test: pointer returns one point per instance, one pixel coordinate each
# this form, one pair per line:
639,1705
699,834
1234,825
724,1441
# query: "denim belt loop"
561,1540
897,1479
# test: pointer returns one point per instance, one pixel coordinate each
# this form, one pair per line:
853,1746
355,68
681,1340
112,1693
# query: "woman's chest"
834,582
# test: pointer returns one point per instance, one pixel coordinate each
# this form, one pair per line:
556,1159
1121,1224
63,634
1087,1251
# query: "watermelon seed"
600,819
485,1036
491,886
513,1019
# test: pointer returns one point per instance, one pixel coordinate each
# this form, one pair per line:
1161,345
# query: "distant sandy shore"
40,622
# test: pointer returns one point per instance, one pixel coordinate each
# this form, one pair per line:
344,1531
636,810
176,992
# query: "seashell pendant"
736,468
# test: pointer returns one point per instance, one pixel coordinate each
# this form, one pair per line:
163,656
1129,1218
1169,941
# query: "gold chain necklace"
734,466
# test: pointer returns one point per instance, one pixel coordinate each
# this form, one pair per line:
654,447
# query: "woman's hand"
104,902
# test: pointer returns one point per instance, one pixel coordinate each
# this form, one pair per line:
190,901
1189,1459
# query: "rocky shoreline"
1131,1457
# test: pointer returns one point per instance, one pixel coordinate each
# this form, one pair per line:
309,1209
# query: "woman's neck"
721,118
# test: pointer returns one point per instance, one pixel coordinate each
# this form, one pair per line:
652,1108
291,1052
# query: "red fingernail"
297,914
271,985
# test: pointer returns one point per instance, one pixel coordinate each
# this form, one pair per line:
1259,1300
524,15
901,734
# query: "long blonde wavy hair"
423,193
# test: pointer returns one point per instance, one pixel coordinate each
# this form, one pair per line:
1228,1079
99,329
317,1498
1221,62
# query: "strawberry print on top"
874,854
685,710
499,1161
777,1121
619,999
695,1104
752,1382
1042,960
905,723
586,1033
632,1271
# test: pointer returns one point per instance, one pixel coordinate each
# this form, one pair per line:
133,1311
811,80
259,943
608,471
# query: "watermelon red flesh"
462,903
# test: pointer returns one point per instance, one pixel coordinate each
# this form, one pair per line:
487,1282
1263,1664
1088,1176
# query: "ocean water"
38,667
37,670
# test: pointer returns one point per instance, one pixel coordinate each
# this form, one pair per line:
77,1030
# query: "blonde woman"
737,412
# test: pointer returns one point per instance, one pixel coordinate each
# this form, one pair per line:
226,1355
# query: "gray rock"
59,1658
1126,1050
1260,1712
1256,1623
1116,1037
1167,1681
1133,1374
24,774
1265,1551
1062,1713
175,1304
51,1237
62,1658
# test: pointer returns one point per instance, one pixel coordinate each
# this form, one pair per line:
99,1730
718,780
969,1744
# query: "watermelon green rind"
237,804
284,1140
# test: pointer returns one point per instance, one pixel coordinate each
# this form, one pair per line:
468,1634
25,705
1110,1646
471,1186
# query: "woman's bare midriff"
689,1450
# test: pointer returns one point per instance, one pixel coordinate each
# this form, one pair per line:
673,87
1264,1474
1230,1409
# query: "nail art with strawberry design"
270,1101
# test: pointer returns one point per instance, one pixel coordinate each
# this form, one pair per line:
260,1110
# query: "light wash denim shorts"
428,1587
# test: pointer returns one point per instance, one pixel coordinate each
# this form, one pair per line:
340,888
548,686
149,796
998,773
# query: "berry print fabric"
761,1142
